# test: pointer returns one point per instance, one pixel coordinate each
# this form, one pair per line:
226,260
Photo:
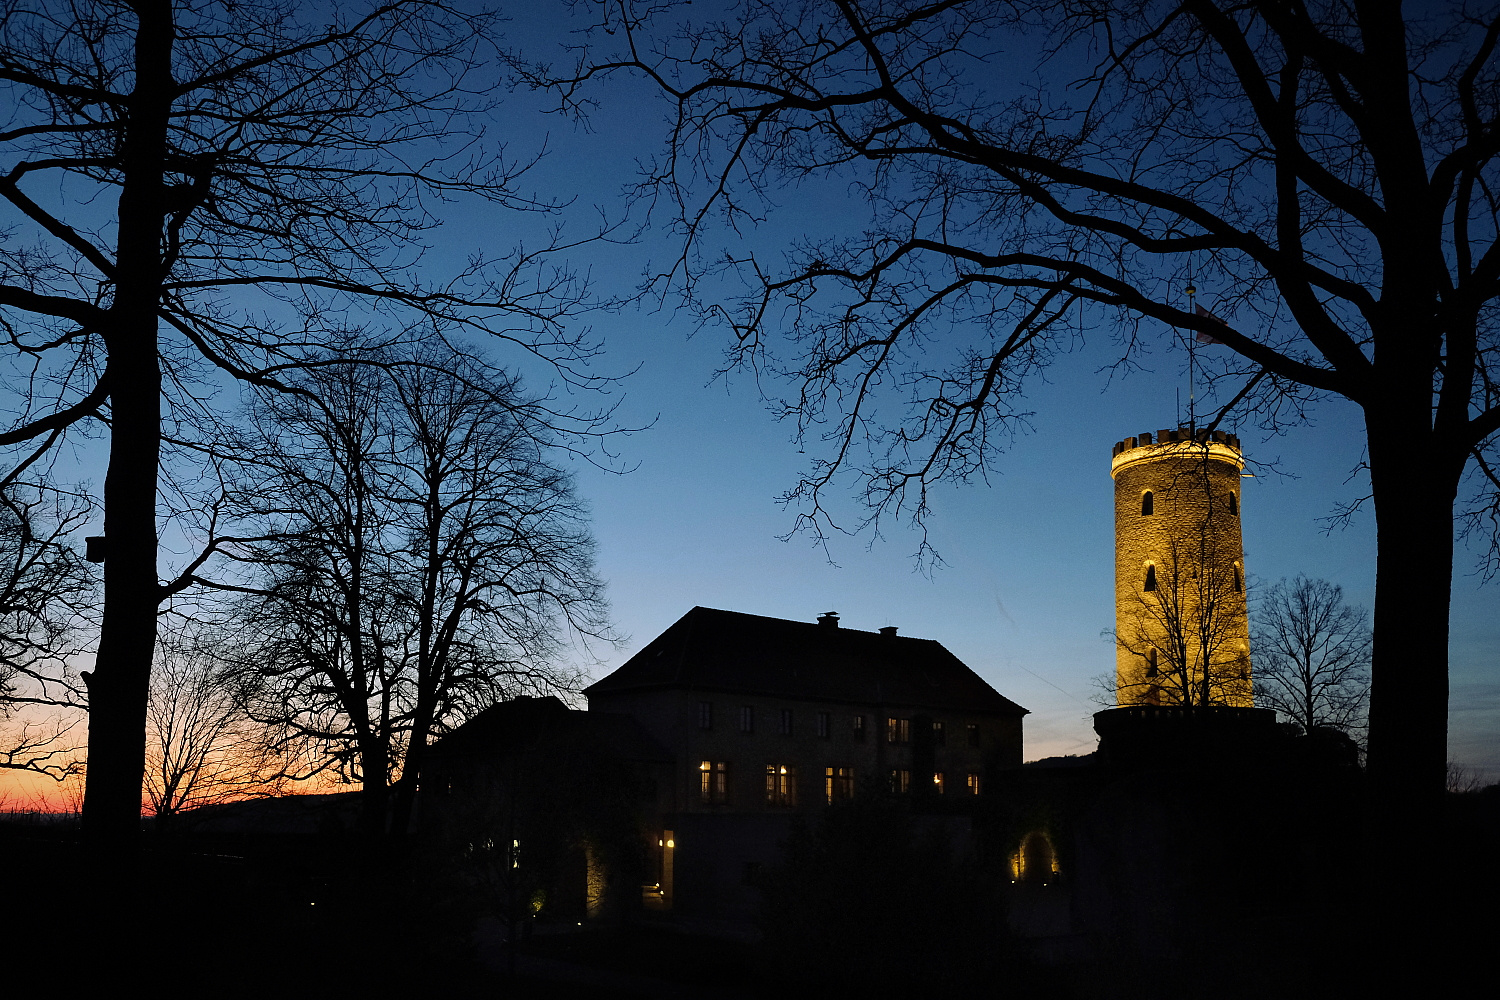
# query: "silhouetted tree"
1189,628
421,558
1460,780
46,594
1312,656
201,746
1322,173
195,189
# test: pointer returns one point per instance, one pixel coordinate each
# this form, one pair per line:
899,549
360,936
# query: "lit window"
971,782
1148,504
786,722
939,734
715,775
1150,577
898,730
823,724
705,715
937,782
838,783
859,727
900,782
747,719
781,785
973,735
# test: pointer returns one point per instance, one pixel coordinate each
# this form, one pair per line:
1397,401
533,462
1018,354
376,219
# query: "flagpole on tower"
1192,292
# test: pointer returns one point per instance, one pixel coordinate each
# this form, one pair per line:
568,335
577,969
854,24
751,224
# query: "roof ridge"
757,655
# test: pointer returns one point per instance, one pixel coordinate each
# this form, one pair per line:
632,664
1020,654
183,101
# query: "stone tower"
1181,629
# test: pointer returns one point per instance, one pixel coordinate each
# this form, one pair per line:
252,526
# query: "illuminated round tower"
1181,629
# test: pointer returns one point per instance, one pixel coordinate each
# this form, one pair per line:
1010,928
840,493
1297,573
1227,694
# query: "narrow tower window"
1148,503
1234,504
1239,579
1151,662
1150,577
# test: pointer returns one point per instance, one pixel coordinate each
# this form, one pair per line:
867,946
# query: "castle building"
768,719
1181,627
706,748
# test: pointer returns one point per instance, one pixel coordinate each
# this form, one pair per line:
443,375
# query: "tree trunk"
404,793
1414,485
1414,482
119,685
375,797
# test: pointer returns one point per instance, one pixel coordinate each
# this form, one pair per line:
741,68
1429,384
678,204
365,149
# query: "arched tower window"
1239,578
1148,503
1150,577
1234,504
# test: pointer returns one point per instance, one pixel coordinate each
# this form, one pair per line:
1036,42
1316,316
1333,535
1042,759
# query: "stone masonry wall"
1194,528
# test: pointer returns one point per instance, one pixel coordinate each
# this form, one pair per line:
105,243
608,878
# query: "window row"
1237,583
897,731
784,723
838,783
1148,504
899,782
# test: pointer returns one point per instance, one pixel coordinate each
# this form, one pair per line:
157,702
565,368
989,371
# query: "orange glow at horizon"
29,792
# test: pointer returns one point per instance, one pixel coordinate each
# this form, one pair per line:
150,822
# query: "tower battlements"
1174,447
1182,435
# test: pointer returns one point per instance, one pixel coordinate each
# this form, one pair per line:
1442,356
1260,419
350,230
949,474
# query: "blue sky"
1027,587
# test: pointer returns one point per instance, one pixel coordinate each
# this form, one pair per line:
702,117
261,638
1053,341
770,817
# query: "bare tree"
1312,656
1188,629
194,188
201,746
425,560
1460,780
46,594
1320,174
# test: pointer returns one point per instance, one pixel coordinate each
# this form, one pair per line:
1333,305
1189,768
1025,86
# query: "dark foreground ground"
310,916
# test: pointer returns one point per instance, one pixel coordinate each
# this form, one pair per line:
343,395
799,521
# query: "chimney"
888,630
829,619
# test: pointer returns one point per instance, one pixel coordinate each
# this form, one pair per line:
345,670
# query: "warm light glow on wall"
1035,859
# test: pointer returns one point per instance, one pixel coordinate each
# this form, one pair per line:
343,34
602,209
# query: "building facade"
768,719
680,783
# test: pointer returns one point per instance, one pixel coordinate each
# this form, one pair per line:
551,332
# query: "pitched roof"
728,651
523,723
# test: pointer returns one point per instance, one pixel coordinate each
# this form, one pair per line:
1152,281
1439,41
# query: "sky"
686,511
1025,592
